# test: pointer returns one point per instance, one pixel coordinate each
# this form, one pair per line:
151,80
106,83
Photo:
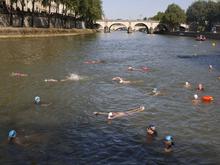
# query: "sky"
138,9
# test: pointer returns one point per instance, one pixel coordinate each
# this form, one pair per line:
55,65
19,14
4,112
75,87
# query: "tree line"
201,15
82,10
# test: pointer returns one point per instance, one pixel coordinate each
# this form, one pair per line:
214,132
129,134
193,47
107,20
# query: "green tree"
197,14
73,6
158,16
90,10
204,14
173,16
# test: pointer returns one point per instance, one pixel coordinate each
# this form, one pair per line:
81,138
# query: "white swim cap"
37,99
196,96
187,83
142,107
154,90
110,114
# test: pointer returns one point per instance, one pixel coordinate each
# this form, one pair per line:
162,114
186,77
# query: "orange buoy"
207,98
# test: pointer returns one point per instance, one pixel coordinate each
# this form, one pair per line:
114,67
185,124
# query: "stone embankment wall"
40,21
208,35
9,32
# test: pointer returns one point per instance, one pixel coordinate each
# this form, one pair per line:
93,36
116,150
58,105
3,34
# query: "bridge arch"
161,28
146,29
117,24
98,26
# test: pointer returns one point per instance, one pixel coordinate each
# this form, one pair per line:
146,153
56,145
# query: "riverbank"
41,32
215,36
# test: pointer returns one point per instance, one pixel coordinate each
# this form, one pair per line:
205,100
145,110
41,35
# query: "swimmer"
187,85
25,140
121,81
155,92
72,77
51,80
195,100
130,68
94,62
12,138
210,68
37,101
151,133
151,130
142,69
168,143
113,115
145,69
200,87
17,74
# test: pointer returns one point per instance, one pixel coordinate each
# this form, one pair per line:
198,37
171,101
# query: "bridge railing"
118,20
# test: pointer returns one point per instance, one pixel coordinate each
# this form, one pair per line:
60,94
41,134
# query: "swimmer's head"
110,115
116,78
168,138
196,96
187,83
200,87
12,134
130,68
142,107
37,100
154,90
152,127
210,67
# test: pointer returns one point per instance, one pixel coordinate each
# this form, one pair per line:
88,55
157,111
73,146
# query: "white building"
38,7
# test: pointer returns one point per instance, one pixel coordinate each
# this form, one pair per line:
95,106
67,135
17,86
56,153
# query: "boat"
200,38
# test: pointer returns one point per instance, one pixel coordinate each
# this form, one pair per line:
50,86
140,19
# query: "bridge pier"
129,29
151,30
106,29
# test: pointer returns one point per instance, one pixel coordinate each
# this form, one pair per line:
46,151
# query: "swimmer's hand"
95,113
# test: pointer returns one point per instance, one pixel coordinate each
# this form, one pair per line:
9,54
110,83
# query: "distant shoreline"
208,35
41,32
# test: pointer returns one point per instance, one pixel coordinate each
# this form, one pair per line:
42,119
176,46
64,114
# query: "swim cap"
37,99
110,115
12,134
142,107
154,90
196,97
187,83
152,127
169,138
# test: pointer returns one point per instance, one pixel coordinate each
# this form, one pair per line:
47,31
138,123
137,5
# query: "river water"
67,132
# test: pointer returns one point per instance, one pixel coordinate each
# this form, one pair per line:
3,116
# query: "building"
38,7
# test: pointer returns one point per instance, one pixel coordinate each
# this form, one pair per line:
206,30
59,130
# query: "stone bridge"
130,25
106,25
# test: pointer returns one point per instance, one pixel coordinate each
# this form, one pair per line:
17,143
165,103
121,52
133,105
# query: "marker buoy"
207,98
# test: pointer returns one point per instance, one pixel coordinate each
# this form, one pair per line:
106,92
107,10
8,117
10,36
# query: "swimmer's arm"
100,113
63,80
136,110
